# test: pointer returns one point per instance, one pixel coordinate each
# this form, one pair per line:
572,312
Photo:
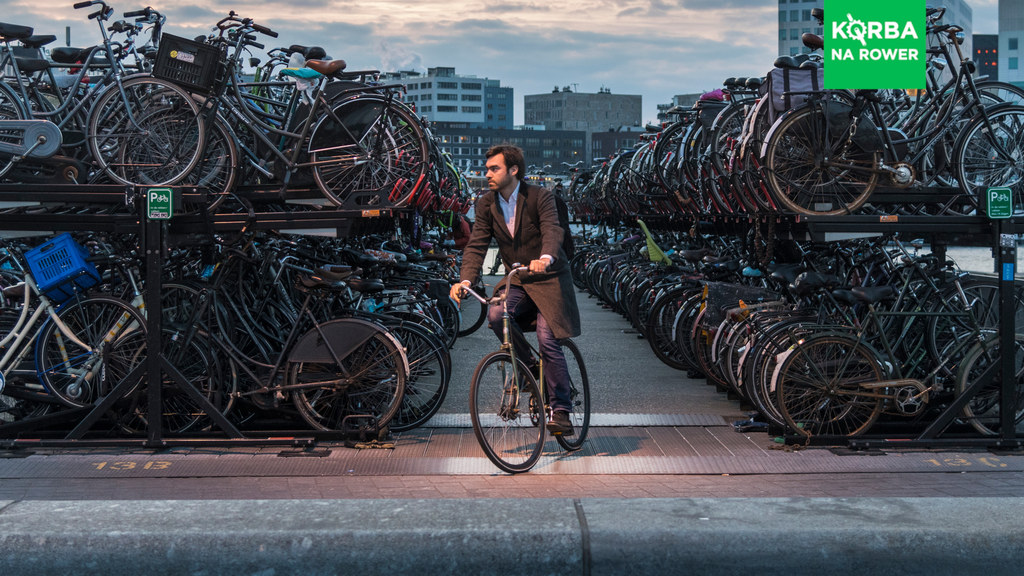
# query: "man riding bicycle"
523,219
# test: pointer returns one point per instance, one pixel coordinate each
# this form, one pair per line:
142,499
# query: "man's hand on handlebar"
540,265
458,290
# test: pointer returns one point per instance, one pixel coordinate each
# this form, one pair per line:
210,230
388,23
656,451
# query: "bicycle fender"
340,336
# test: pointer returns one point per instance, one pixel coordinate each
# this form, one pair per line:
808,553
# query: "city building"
1011,42
605,144
448,99
986,55
680,100
566,109
548,151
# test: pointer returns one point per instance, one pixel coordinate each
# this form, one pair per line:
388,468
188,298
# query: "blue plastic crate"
60,269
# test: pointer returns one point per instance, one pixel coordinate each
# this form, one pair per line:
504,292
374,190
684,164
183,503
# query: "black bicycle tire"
579,397
536,420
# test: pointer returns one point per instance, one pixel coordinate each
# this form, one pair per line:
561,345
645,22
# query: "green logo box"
874,44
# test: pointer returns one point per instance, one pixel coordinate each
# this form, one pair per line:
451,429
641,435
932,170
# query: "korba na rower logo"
874,44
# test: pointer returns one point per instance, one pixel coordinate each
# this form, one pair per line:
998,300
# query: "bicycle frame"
510,330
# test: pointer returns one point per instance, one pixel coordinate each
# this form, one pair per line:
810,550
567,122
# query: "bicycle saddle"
364,285
326,67
38,41
754,83
810,282
809,64
32,64
872,294
336,273
786,62
68,55
308,52
812,41
14,31
786,272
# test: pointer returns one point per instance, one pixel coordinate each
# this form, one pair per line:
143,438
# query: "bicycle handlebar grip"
264,30
84,4
135,13
255,44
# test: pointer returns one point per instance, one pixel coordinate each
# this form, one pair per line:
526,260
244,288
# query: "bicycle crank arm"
38,138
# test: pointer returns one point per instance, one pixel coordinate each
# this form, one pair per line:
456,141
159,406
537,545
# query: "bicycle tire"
508,420
472,312
179,412
980,167
983,410
579,397
215,172
807,170
72,374
819,387
376,157
162,154
374,366
11,108
429,375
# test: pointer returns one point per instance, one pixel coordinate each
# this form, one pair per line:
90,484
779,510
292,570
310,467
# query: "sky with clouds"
655,48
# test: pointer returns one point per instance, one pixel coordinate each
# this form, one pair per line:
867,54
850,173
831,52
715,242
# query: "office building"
566,109
1011,42
449,99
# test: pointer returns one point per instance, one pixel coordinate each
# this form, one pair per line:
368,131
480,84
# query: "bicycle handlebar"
516,268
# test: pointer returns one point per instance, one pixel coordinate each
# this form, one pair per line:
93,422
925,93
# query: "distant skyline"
654,48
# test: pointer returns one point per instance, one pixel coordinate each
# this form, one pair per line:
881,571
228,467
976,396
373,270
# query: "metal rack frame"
153,236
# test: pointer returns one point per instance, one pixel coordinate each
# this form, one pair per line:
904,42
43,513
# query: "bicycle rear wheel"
507,413
151,136
368,152
10,109
820,387
579,397
368,381
811,168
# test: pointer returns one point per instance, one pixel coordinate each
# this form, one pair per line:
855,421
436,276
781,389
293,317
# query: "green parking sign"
160,203
999,203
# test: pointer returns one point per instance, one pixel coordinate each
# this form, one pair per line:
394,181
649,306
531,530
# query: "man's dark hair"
513,156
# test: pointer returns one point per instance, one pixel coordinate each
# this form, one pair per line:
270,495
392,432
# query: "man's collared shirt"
508,209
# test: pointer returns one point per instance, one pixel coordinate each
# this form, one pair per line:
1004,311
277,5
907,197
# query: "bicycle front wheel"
812,169
148,134
368,152
579,397
983,411
507,412
77,376
992,158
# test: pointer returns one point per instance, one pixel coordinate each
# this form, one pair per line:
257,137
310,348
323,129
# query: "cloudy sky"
655,48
